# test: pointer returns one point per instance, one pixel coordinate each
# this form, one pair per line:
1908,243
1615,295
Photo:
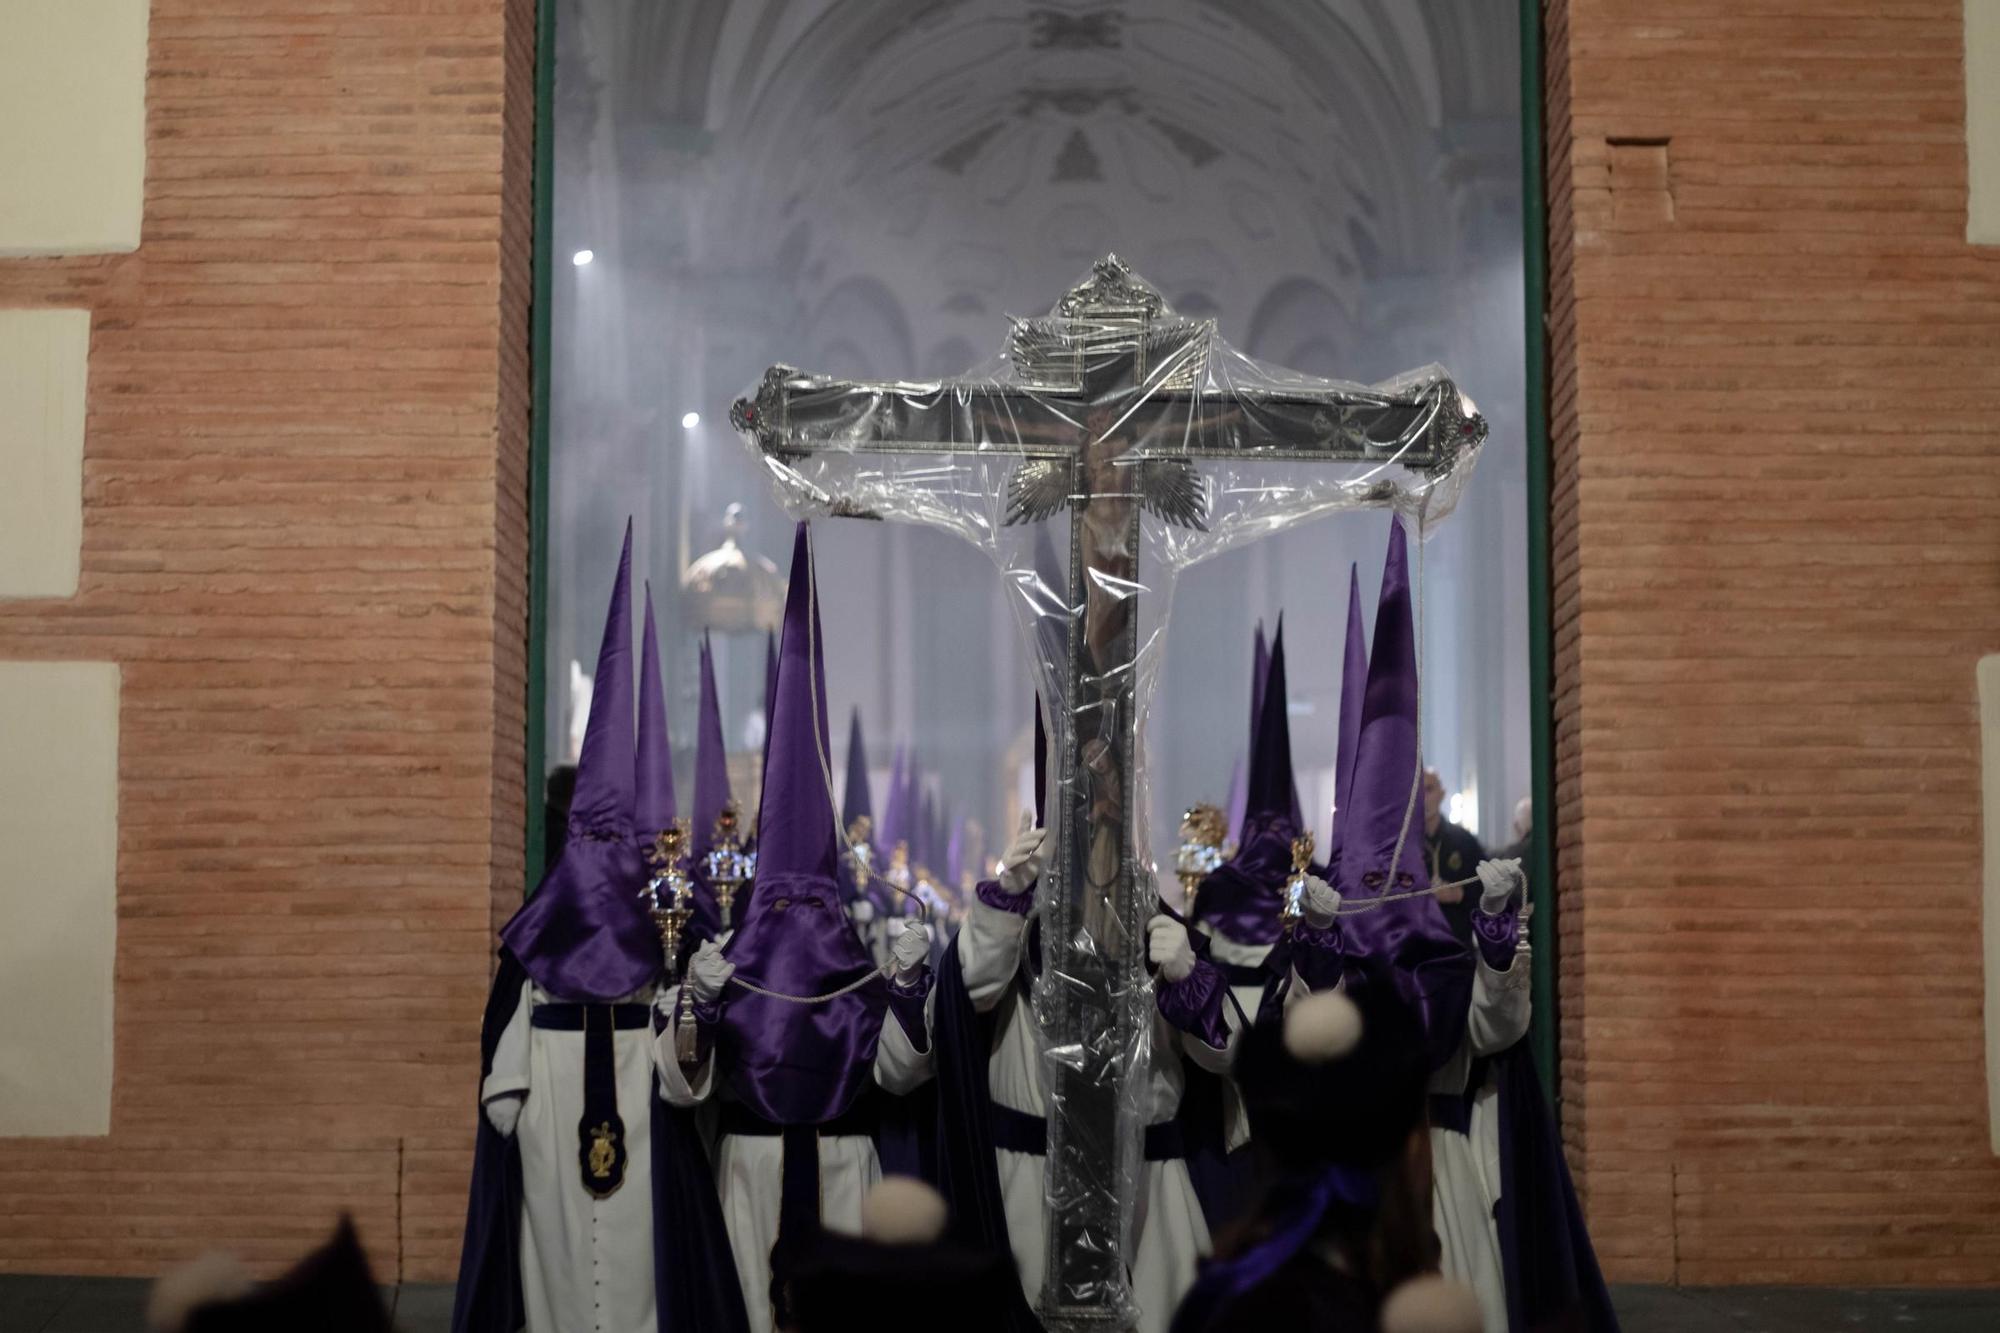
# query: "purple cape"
967,1168
1553,1280
488,1299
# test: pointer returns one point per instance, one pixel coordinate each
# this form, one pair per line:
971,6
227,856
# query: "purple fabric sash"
601,1151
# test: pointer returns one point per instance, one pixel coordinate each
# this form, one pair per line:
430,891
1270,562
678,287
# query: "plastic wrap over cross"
1109,445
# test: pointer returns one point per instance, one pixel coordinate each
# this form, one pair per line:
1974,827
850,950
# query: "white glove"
1021,866
911,950
505,1112
1169,948
862,911
1322,903
1498,881
709,972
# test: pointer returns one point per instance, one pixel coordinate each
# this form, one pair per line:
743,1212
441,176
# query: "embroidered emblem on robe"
603,1152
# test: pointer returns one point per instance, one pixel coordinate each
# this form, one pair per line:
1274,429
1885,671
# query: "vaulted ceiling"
870,187
896,175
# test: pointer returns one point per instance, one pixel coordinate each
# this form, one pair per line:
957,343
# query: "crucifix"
1110,409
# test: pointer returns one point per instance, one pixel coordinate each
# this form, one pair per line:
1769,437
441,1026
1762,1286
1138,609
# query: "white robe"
749,1168
586,1263
1465,1168
1169,1234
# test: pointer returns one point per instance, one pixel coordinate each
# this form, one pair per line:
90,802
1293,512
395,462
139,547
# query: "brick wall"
305,542
1777,519
1777,549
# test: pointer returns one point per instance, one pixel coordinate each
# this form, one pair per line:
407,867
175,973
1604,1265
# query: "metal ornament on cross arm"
669,891
1110,409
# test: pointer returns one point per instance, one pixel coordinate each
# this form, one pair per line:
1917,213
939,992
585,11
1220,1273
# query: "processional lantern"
1204,831
669,892
729,867
1294,910
1110,411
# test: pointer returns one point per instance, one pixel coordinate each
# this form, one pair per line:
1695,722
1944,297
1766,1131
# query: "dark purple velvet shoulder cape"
489,1265
1553,1280
967,1170
1224,1181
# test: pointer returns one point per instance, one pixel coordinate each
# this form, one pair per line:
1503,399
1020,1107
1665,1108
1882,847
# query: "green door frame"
1541,640
539,317
1541,628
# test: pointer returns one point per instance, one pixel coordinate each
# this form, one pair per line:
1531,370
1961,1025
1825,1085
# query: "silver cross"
1109,405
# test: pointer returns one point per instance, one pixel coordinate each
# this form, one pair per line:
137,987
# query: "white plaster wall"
1982,121
72,125
58,902
1989,748
44,357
